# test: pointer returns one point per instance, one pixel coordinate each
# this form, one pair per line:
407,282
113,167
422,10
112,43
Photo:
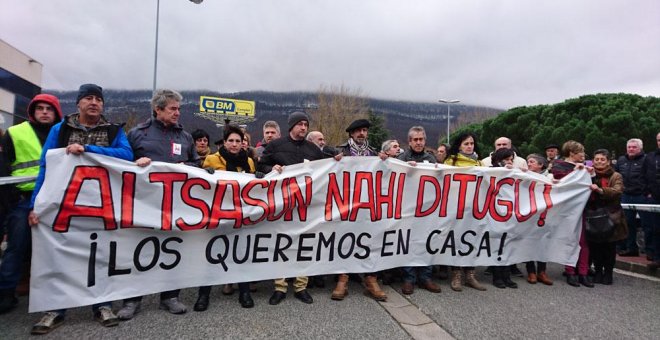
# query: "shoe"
543,278
572,280
531,278
228,289
304,296
584,280
277,297
202,303
319,281
48,322
499,283
173,305
372,289
8,300
129,309
629,253
245,299
106,317
341,290
653,266
515,271
509,283
430,286
456,280
407,288
471,280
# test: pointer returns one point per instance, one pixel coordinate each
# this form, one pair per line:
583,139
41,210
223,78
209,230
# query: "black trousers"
603,255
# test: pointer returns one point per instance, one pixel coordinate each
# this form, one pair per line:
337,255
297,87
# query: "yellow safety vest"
27,148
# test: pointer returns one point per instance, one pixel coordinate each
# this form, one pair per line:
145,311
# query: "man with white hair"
505,143
631,167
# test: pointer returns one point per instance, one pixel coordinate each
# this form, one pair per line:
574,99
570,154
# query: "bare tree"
337,108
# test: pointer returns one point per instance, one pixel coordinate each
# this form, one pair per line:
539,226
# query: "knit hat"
89,89
296,117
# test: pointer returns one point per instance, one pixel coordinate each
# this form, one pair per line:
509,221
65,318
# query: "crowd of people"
635,179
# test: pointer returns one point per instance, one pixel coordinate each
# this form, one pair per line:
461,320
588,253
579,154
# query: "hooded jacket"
27,139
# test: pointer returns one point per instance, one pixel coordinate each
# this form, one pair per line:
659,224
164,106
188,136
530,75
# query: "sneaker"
48,322
129,310
173,305
106,317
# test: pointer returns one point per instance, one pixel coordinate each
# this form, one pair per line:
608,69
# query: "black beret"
357,124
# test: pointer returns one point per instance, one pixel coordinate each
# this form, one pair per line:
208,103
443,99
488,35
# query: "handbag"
599,225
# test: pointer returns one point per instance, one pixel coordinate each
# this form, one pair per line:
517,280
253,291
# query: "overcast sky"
495,53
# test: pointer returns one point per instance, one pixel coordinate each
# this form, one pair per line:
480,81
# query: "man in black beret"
358,143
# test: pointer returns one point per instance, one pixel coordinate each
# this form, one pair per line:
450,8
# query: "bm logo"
218,105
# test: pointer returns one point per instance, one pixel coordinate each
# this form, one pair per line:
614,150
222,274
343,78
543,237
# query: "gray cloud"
497,53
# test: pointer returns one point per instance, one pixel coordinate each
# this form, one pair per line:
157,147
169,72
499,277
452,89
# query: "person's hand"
412,163
590,170
509,166
143,161
338,156
210,170
382,155
579,166
278,168
75,149
593,187
33,219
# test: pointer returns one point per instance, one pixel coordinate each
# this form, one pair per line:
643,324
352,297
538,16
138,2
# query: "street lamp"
447,101
156,48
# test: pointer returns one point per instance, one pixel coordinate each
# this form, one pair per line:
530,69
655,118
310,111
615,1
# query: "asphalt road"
628,309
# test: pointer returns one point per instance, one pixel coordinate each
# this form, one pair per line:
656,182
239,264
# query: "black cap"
89,89
296,117
551,146
357,124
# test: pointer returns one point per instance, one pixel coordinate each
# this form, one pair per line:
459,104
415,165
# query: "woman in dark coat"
607,189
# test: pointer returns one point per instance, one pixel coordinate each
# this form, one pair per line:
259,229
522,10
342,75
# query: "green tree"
378,133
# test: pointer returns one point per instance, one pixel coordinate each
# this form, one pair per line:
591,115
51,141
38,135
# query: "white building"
20,80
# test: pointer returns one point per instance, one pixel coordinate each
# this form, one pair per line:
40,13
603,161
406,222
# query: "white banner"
111,230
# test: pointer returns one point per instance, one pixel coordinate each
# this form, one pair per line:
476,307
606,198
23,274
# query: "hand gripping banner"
111,230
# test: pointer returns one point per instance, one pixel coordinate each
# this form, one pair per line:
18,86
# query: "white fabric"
355,241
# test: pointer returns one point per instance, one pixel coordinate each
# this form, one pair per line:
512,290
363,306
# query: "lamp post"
447,101
156,48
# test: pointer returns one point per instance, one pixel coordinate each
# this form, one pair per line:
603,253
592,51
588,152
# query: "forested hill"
399,115
597,121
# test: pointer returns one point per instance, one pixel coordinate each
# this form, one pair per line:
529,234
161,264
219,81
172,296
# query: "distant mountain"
399,115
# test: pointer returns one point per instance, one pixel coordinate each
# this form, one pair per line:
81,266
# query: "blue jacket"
119,148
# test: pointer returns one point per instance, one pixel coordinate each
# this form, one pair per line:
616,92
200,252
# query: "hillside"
399,115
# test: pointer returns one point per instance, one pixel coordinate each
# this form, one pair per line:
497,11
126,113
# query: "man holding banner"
287,151
161,138
85,131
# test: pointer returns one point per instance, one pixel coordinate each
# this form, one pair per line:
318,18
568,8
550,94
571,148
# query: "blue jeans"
645,219
18,241
410,274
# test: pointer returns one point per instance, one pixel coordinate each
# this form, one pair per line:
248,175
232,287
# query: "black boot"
506,277
8,300
572,280
202,303
585,281
497,277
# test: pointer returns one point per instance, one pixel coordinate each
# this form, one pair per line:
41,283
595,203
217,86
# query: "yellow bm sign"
226,106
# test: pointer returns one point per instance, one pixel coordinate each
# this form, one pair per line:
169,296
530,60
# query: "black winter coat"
286,151
632,171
